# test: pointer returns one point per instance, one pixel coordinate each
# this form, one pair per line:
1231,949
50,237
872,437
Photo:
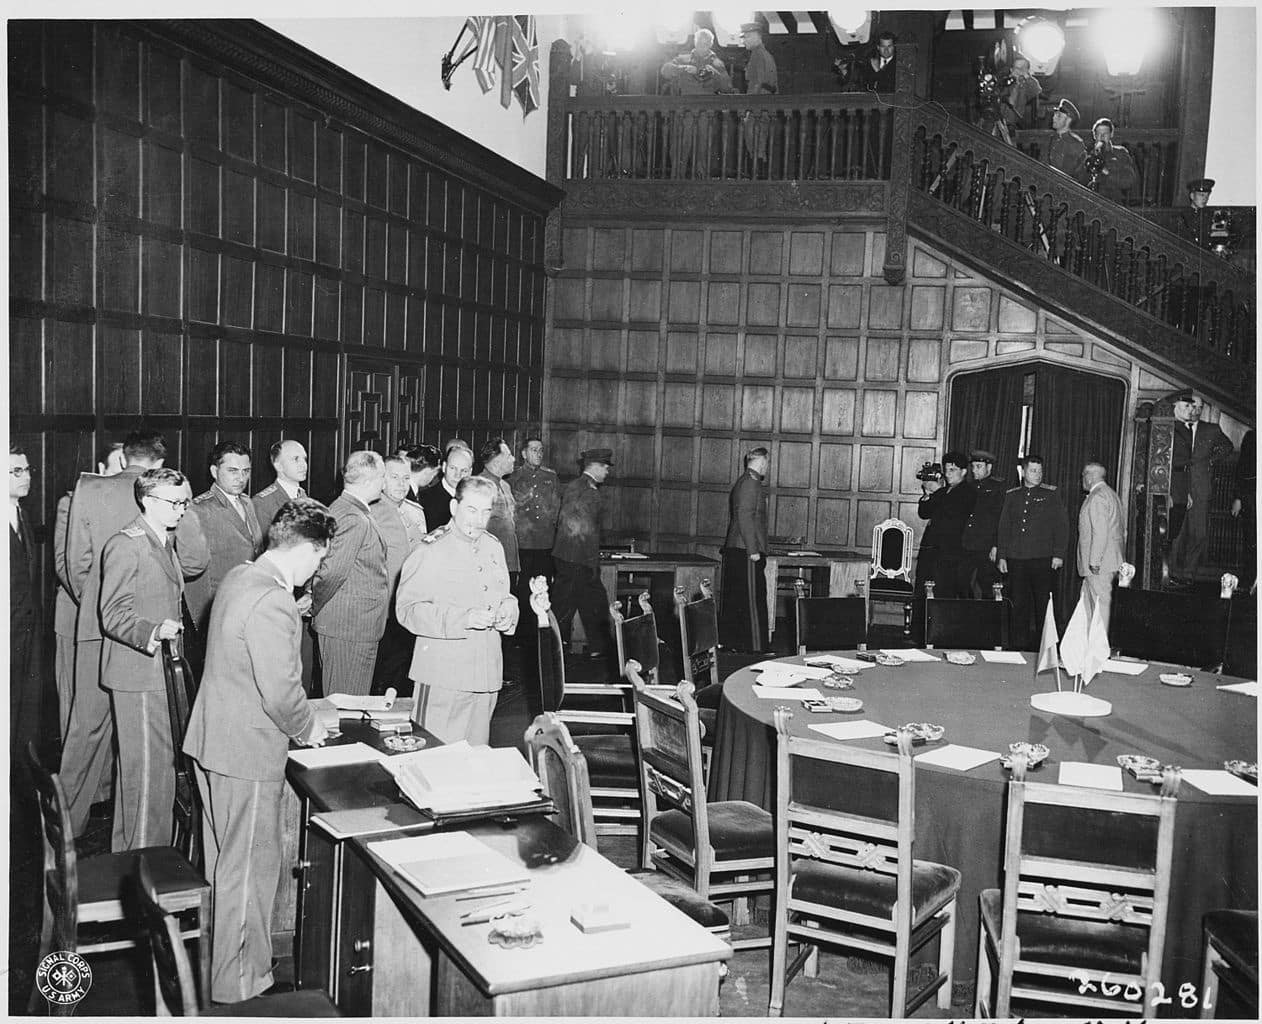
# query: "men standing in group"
1033,535
100,508
1099,540
436,501
142,582
743,625
1066,151
350,594
394,650
576,555
497,462
26,689
454,597
981,530
250,705
289,459
1197,446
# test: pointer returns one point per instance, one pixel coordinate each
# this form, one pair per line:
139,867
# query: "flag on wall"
482,29
504,48
525,62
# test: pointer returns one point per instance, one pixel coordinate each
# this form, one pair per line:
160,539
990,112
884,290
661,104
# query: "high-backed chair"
636,639
1242,637
174,992
562,769
187,817
1229,984
723,850
959,622
845,869
889,574
607,737
828,623
92,890
699,641
1179,628
1086,884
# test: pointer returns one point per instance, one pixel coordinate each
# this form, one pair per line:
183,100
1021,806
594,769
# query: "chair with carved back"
636,639
699,642
722,850
846,873
562,769
966,623
1081,918
828,623
889,573
93,890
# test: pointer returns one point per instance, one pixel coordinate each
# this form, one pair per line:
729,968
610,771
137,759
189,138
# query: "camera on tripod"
930,471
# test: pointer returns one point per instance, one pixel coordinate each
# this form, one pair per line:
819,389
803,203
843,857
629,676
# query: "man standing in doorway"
743,625
1033,536
1197,446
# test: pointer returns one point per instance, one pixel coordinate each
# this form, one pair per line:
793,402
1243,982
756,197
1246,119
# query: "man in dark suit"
878,69
289,459
743,624
350,594
250,705
576,554
427,463
1197,446
436,500
25,668
1244,506
100,508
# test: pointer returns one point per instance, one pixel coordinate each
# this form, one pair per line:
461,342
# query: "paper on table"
1093,776
910,654
769,668
851,730
1129,668
1249,689
1218,783
787,693
448,862
346,753
1003,657
837,661
958,756
354,702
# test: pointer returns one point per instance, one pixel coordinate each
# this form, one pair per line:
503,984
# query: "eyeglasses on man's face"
21,471
180,503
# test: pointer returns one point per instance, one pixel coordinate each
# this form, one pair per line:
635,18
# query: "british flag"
525,66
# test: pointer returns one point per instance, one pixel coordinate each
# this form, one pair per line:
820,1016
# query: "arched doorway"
1067,416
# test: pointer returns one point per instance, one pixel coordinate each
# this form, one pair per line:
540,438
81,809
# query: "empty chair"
699,641
1069,924
845,869
92,890
1242,637
889,574
957,622
636,639
1179,628
1229,984
187,819
828,623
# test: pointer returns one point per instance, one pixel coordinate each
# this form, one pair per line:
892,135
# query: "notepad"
837,661
1248,689
364,821
787,693
1003,657
448,862
910,654
851,730
346,753
1129,668
1217,782
958,756
1092,776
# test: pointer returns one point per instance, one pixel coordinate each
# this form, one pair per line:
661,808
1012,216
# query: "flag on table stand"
1047,646
1073,645
1097,652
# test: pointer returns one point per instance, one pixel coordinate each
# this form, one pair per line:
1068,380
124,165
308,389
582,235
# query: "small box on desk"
590,918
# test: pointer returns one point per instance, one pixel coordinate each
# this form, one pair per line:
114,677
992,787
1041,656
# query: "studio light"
672,23
849,21
1126,37
1043,42
727,25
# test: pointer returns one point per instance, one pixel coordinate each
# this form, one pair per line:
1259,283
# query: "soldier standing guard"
577,555
1033,537
981,530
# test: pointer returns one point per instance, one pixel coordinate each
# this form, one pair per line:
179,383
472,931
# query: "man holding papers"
250,705
454,596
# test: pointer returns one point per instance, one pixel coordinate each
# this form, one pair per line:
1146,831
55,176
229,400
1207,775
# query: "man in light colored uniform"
1100,550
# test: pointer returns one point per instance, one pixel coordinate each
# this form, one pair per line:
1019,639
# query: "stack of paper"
1248,689
1092,776
1127,668
378,709
836,661
1003,657
787,692
958,756
459,777
448,862
343,753
851,730
909,654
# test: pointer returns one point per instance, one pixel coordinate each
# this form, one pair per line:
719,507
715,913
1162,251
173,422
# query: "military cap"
604,455
1066,106
751,26
1186,395
981,455
1205,185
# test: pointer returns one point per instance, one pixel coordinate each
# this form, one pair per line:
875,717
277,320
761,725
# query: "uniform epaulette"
1013,490
202,498
414,504
267,491
1049,487
436,533
133,531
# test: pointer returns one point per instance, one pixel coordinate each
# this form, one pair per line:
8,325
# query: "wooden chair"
1242,637
889,574
173,989
723,850
1069,924
699,642
562,769
607,737
92,890
1178,628
637,640
187,816
1229,984
845,868
960,622
828,623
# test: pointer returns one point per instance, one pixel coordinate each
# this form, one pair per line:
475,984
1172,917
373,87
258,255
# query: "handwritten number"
1187,995
1084,982
1159,998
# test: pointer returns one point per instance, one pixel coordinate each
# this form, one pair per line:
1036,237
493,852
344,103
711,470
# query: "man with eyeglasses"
142,582
100,508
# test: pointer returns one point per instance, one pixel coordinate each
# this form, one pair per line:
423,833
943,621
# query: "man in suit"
427,463
743,624
25,636
878,69
1197,446
436,500
142,583
399,529
289,459
100,508
576,555
454,597
1100,551
350,594
250,705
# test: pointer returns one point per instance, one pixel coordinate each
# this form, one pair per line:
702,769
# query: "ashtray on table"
890,660
836,683
844,704
1035,754
402,744
921,732
1175,678
961,658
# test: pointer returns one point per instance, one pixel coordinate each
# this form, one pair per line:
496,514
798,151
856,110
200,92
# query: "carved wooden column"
558,146
895,268
1146,542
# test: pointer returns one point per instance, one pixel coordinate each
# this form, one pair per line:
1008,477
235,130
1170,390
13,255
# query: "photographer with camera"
946,502
1110,168
699,72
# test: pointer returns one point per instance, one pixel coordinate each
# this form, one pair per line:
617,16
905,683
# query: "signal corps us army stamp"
63,978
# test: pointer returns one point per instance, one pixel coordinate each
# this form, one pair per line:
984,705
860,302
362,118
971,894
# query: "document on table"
1129,668
851,730
460,777
355,702
1248,689
448,862
1217,782
1003,657
836,661
1092,776
345,753
787,692
958,756
770,668
910,654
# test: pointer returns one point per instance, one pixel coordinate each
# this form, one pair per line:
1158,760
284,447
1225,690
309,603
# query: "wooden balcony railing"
1154,150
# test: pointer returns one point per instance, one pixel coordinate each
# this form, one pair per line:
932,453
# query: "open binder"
459,782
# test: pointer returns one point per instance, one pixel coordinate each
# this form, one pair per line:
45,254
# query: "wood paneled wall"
682,346
217,234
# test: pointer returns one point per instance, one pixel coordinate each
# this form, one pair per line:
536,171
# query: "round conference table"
960,815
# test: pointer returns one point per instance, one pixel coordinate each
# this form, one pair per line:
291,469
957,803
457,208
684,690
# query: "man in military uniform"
454,597
760,80
142,582
1032,540
394,650
1066,151
537,496
981,529
576,554
743,624
289,459
497,462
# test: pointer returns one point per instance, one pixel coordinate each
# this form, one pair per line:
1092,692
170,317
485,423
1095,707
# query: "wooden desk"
666,572
839,571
